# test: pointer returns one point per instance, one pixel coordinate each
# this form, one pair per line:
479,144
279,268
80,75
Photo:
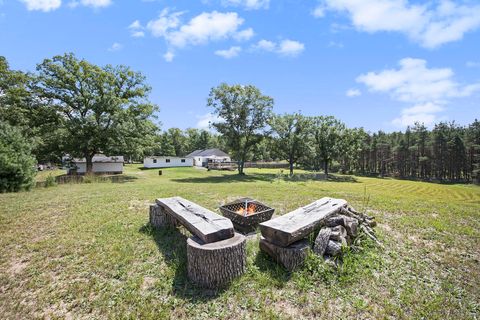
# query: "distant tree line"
70,106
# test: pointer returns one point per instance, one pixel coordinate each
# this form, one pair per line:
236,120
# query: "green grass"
86,251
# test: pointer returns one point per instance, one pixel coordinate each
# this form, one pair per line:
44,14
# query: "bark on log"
334,248
297,224
214,265
339,233
321,241
290,257
159,219
351,225
335,221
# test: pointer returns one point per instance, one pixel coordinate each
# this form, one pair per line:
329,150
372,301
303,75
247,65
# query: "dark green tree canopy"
101,108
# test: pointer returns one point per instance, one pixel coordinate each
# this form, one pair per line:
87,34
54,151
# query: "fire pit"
246,213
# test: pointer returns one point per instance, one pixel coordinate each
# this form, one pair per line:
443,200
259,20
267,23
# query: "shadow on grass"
65,178
173,245
274,270
266,177
226,178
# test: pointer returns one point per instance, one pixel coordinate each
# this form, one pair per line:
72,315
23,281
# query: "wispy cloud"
229,53
287,47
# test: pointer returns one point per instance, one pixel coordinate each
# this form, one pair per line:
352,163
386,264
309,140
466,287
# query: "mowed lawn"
86,251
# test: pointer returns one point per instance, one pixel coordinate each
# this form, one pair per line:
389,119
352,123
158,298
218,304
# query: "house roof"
207,153
101,158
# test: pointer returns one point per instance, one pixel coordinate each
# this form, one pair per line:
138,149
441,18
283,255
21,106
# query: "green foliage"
291,133
101,108
17,165
244,112
50,181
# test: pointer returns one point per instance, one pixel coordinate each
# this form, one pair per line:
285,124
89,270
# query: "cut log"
205,224
291,257
321,241
297,224
214,265
335,221
339,233
159,219
351,225
334,248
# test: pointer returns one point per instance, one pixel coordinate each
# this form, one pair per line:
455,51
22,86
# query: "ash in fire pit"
246,213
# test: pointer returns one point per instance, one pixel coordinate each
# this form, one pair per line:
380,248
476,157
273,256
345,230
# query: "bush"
17,165
50,181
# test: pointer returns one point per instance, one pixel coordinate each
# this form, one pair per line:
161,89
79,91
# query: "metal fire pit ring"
249,222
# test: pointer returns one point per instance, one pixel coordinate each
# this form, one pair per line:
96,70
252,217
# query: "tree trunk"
325,168
240,167
290,257
88,158
291,166
215,264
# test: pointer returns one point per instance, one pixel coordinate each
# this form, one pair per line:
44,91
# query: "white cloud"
116,47
473,64
353,93
229,53
201,29
431,24
248,4
319,11
164,23
168,56
244,35
286,47
42,5
205,120
136,29
291,48
429,89
414,82
96,3
422,113
266,45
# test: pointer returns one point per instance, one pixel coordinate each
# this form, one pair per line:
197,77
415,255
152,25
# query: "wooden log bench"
283,237
215,253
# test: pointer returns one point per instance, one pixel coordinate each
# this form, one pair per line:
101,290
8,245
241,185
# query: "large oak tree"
102,109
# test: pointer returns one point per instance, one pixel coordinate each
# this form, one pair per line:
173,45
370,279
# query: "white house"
100,164
201,158
166,162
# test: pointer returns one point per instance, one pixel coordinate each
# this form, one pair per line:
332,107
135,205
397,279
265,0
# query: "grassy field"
86,251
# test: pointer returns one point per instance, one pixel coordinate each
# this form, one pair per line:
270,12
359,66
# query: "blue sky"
377,64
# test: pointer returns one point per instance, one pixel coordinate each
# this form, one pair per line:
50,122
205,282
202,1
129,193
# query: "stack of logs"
341,230
285,238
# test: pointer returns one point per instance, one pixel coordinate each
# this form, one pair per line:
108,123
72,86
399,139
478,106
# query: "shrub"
50,181
17,165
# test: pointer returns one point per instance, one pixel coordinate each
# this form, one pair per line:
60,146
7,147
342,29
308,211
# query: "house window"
167,160
154,160
183,160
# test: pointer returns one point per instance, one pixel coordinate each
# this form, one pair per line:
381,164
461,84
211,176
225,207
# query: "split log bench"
283,238
215,253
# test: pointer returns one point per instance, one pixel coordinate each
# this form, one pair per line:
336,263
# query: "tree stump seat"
283,237
215,253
